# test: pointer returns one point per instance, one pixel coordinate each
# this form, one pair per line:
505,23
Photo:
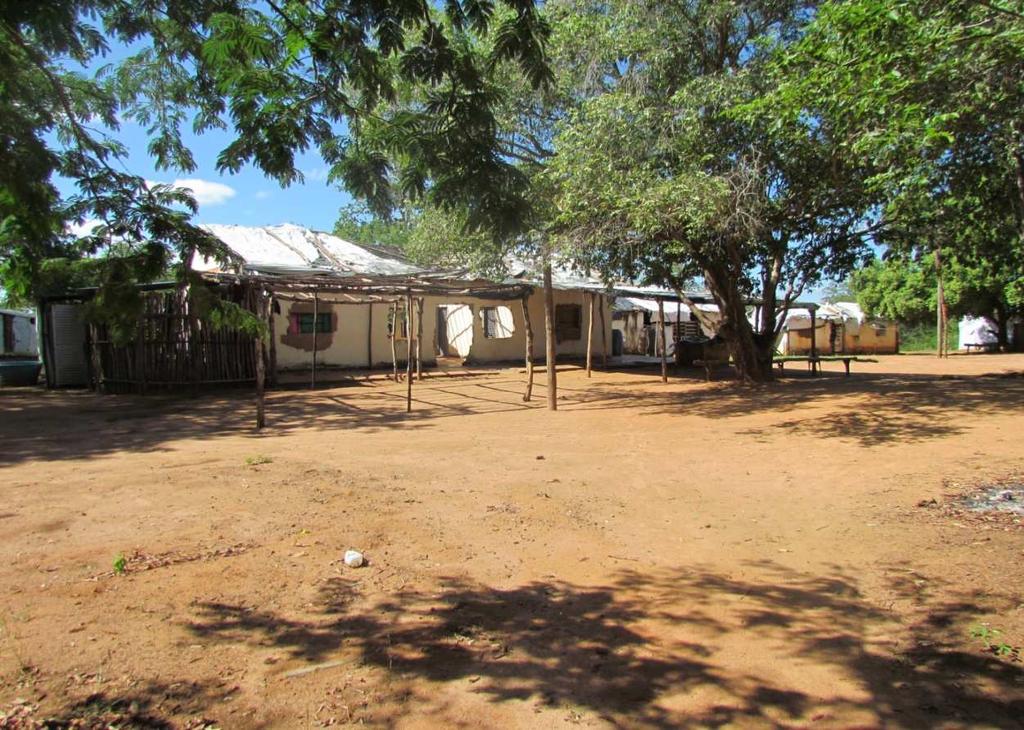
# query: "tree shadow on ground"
870,409
632,651
149,706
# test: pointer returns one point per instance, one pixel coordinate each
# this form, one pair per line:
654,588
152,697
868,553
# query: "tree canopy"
280,77
671,173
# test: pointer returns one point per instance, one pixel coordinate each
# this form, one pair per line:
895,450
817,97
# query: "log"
273,340
316,316
260,346
814,337
529,348
394,333
661,338
408,352
549,338
604,335
369,339
96,358
590,332
140,349
419,338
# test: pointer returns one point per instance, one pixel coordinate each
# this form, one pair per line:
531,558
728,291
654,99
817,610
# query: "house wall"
869,340
347,346
863,340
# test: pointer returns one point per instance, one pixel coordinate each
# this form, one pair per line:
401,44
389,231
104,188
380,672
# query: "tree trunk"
419,338
272,355
590,333
751,354
316,318
260,346
604,334
409,353
394,334
1002,321
549,338
940,308
661,340
529,348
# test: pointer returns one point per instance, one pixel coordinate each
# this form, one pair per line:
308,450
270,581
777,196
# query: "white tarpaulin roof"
292,246
799,318
295,250
633,304
976,331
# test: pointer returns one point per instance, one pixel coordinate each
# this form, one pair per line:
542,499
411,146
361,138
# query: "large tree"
927,94
280,77
674,173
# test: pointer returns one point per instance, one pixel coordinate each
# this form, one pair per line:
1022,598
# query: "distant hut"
840,328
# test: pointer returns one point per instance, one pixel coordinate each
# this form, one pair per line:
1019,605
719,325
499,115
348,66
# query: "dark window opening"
568,322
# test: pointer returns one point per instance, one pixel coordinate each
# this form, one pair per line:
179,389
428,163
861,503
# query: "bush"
920,337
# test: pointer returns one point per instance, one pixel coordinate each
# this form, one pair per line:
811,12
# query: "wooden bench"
979,346
814,363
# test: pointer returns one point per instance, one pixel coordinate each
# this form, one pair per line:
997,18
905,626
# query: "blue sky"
248,198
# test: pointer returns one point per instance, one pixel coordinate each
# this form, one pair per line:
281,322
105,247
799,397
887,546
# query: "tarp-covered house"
838,328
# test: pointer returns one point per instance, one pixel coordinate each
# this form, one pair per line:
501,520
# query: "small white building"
981,333
18,337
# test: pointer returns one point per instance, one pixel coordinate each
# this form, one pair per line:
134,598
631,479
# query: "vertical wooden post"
549,337
369,338
408,351
590,332
419,338
96,358
940,307
814,340
661,338
271,326
604,333
316,316
140,348
525,301
393,310
260,346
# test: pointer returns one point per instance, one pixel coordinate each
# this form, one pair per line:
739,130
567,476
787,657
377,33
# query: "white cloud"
206,192
84,228
263,194
316,174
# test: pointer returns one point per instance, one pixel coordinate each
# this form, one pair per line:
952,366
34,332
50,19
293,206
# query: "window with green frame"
302,323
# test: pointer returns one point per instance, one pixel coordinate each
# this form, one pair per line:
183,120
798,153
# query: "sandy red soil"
684,555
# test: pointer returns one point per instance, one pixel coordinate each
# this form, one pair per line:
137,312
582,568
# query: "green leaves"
393,95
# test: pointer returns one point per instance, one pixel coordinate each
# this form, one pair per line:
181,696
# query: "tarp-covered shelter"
982,333
638,318
838,328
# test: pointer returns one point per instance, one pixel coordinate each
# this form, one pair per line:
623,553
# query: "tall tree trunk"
1002,321
549,337
590,332
529,348
751,355
261,353
940,307
409,352
662,346
1018,158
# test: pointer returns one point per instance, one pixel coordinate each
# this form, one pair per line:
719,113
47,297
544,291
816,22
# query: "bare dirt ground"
683,555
